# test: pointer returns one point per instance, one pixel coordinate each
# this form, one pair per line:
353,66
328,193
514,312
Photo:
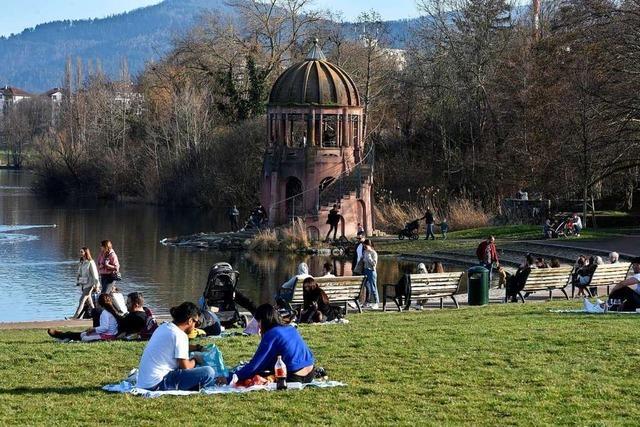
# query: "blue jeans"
490,268
430,231
372,285
188,379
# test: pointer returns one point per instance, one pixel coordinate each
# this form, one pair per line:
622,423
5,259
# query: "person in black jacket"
315,307
136,318
516,282
333,220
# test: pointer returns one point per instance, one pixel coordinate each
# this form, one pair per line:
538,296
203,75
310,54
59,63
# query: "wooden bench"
426,286
606,275
340,290
546,279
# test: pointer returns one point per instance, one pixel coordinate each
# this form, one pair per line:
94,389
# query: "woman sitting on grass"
107,330
279,339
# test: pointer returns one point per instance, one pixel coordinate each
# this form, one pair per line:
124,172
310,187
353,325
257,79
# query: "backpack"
150,326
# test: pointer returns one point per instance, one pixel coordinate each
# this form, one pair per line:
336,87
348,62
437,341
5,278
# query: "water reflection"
38,261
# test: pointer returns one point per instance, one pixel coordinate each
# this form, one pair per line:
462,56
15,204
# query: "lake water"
39,243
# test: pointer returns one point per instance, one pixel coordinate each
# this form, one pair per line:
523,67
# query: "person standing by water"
370,258
428,216
333,220
108,266
89,281
234,214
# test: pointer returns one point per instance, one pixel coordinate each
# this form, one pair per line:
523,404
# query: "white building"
55,95
11,95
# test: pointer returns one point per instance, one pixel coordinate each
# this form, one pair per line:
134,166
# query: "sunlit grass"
497,365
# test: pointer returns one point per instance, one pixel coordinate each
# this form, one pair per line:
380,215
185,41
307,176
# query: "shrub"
264,241
294,237
461,214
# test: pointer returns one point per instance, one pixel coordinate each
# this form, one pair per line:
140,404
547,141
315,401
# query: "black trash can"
478,285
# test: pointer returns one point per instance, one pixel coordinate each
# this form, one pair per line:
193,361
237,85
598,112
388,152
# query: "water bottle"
281,374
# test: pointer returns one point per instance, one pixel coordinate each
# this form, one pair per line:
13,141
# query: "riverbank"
503,364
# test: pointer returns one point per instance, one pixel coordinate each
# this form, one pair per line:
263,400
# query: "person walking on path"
488,254
108,266
333,220
444,228
428,216
234,214
370,258
89,281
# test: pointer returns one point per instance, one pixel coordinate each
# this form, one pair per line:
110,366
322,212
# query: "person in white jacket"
89,281
107,330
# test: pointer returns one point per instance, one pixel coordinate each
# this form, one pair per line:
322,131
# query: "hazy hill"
34,59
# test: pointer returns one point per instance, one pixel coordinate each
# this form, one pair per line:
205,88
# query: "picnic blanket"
592,308
128,387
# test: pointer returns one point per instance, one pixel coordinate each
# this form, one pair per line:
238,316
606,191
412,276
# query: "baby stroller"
220,292
410,230
565,227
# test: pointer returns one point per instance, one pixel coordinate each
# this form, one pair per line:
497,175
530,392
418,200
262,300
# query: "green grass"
421,246
466,239
497,365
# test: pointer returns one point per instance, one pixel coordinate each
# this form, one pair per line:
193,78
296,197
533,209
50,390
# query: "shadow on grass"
48,390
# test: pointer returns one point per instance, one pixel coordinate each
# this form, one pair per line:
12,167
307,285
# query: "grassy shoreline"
468,239
501,364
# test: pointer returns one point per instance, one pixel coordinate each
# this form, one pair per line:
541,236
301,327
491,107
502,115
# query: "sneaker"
374,306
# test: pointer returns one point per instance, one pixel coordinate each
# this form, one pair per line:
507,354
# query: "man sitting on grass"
165,362
136,318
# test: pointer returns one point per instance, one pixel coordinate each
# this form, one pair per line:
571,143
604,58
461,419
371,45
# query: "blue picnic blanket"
128,386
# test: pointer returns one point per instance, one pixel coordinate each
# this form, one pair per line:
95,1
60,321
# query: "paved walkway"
627,244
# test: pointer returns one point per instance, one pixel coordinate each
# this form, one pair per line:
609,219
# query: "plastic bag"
212,356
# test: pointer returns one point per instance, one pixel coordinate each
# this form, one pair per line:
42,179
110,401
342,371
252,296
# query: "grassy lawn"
503,364
467,239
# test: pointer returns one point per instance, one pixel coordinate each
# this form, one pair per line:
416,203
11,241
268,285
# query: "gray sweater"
370,259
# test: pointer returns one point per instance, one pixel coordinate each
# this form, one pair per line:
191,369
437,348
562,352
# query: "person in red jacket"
488,254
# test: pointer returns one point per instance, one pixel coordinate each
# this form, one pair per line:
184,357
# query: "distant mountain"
34,60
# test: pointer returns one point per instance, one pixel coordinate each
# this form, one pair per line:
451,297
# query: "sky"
16,15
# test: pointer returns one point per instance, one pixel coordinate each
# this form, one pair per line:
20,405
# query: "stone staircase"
344,187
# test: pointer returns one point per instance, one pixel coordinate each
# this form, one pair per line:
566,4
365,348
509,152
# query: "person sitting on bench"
402,288
286,291
516,282
165,362
316,307
628,290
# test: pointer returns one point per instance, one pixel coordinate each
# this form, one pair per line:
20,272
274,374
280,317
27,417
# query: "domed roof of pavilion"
315,82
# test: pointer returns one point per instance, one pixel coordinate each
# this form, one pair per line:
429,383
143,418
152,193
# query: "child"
444,228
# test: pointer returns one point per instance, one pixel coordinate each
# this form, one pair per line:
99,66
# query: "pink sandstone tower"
315,157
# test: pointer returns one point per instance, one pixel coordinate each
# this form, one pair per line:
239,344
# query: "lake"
40,240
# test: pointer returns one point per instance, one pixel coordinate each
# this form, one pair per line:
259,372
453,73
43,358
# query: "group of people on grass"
101,300
570,226
166,363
